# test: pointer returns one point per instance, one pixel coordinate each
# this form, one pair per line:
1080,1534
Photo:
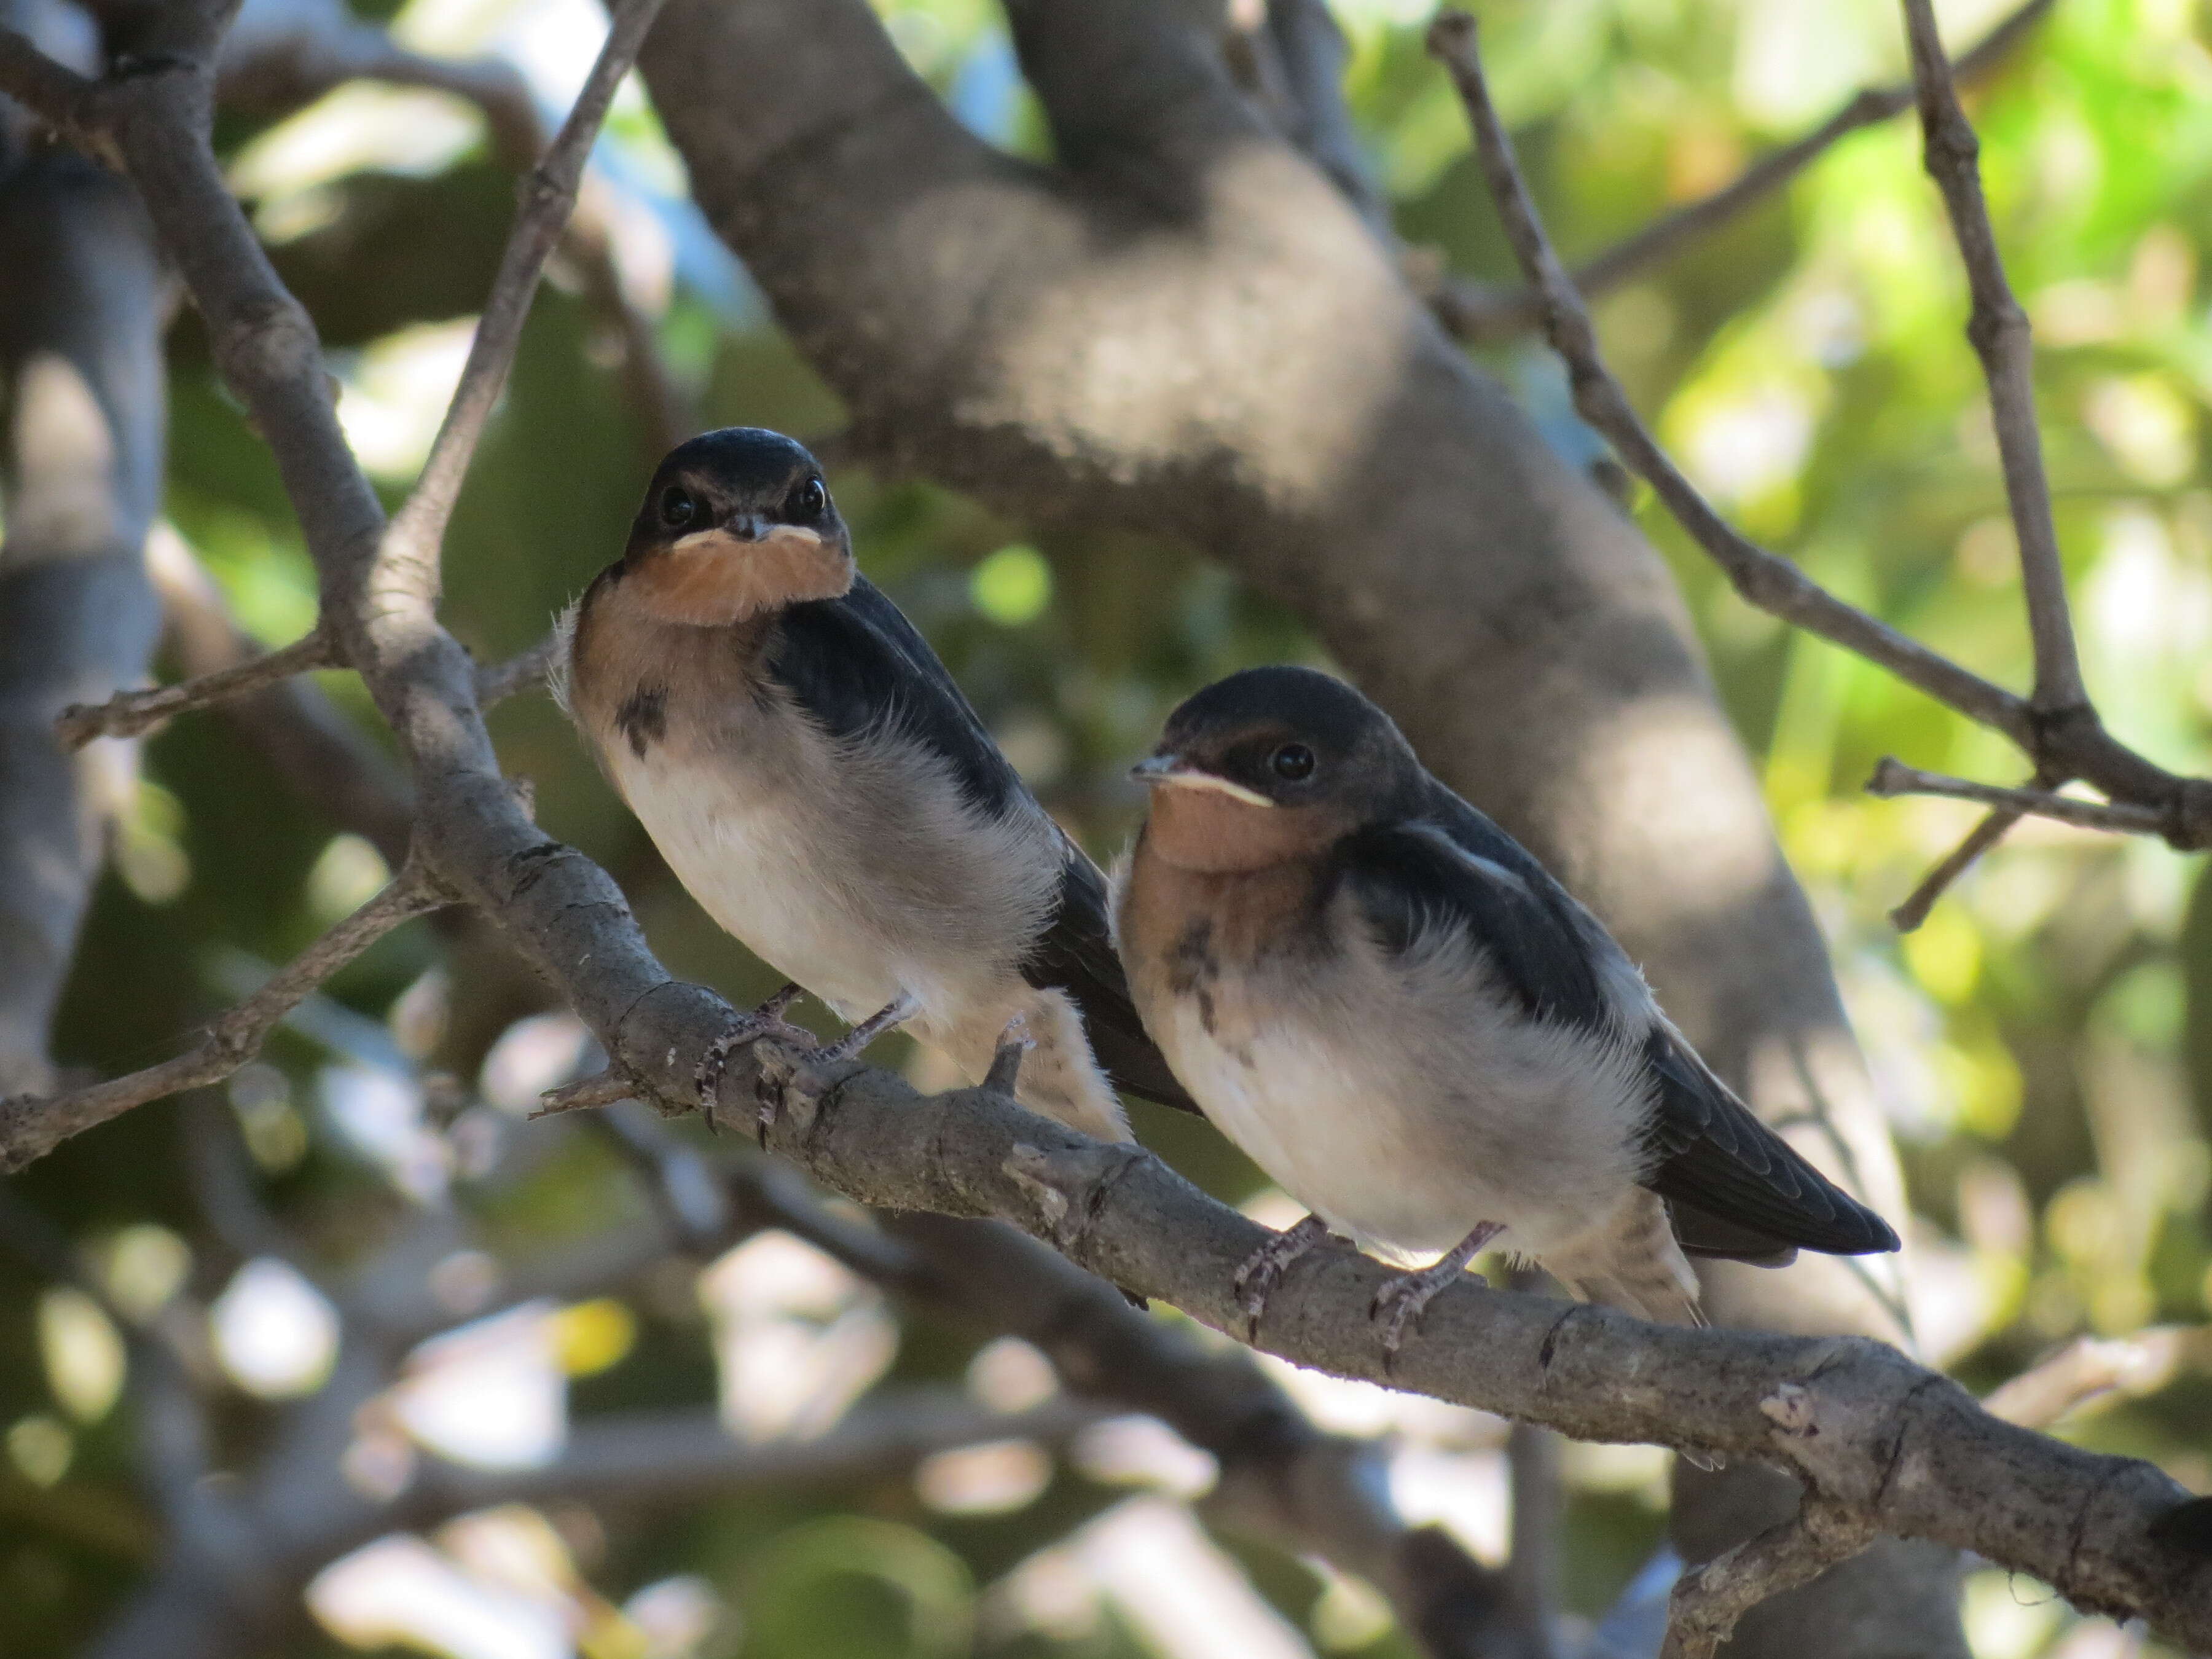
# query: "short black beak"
747,526
1157,768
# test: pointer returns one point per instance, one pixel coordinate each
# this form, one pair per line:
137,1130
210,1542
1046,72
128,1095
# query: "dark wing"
1456,868
1737,1188
1717,1163
1076,954
852,661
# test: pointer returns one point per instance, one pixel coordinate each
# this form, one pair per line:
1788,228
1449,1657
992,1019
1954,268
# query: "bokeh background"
2043,1043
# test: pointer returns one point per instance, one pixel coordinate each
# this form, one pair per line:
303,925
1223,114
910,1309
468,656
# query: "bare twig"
1999,330
321,752
2062,737
282,53
1481,312
30,1126
1708,1600
497,682
127,714
417,531
1771,583
2091,1369
1892,777
1994,828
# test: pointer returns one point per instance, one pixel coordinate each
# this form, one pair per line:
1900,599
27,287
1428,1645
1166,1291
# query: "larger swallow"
814,777
1417,1032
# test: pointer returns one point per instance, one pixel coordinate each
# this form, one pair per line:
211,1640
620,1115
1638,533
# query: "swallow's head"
1272,761
737,522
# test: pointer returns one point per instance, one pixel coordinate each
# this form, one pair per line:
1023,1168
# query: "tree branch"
417,536
2090,1368
1993,829
1892,777
1901,1446
1771,583
327,760
2065,739
2000,332
30,1126
1479,312
1708,1600
128,714
1894,1447
82,295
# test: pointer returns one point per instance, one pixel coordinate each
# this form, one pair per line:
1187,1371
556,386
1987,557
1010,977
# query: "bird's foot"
1014,1045
764,1023
1263,1269
1399,1303
800,1082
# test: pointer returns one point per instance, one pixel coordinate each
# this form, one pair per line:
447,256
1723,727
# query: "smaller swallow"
1394,1009
815,780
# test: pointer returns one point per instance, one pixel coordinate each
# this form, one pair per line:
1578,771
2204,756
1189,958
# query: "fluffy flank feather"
557,669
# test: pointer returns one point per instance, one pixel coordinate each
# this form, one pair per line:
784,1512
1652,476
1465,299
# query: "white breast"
860,879
1303,1112
1404,1111
752,866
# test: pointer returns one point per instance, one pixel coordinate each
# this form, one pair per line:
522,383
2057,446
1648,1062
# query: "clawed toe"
1263,1269
1400,1303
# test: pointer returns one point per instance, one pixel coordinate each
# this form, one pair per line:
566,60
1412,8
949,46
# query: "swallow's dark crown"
743,460
1234,727
1301,702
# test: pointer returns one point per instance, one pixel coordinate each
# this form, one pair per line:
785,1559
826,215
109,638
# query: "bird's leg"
899,1009
1013,1047
1256,1279
1399,1303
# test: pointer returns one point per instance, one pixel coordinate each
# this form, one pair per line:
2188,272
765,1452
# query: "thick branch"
1881,1443
1892,777
30,1128
81,296
1999,330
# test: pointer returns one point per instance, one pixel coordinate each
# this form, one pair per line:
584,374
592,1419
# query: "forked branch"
128,714
2056,727
31,1127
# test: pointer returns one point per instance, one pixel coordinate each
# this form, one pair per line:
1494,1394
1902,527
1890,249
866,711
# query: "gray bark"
81,314
1183,329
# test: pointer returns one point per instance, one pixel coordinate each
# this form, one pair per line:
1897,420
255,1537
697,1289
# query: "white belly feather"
756,869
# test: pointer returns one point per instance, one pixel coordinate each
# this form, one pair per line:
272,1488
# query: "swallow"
1417,1032
815,779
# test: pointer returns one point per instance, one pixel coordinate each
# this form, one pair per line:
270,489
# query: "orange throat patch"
712,579
1195,828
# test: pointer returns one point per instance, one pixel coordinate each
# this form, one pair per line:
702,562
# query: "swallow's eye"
811,498
1293,762
678,507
